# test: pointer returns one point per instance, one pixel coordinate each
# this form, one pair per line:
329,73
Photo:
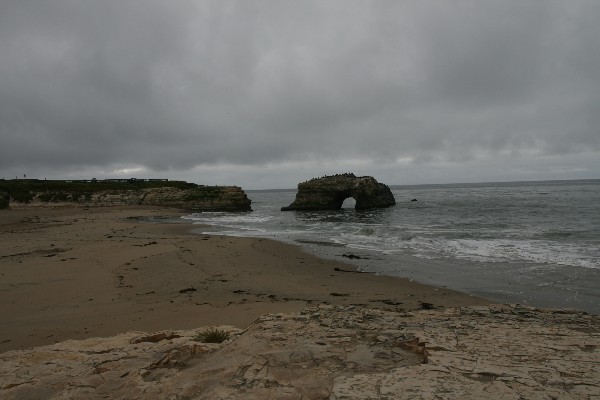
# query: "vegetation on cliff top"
24,190
4,199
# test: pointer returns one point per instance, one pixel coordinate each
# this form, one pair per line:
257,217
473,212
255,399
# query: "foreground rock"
325,352
329,193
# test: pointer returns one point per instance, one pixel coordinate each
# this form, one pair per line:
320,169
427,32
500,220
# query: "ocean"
534,243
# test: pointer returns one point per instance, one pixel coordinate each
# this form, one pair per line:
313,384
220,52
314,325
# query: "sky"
266,94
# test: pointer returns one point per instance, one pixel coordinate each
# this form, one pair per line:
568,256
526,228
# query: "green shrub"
4,199
56,197
21,195
212,336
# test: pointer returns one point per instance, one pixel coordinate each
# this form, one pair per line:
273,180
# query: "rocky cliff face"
329,193
325,352
200,198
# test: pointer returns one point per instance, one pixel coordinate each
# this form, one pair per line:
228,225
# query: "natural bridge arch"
329,193
349,203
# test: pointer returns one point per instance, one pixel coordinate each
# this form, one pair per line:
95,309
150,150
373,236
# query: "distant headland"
132,191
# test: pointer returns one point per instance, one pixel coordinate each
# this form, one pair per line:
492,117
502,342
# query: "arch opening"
349,203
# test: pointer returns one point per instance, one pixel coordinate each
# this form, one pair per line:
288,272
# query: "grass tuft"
212,336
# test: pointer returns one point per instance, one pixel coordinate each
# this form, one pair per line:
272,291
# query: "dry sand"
74,273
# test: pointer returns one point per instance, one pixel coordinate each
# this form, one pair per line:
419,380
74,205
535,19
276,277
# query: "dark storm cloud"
173,85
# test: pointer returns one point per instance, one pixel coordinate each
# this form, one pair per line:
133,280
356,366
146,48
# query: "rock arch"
329,193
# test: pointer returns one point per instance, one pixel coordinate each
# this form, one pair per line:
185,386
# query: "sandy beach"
134,286
75,273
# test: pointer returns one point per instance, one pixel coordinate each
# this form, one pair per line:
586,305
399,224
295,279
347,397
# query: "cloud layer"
177,88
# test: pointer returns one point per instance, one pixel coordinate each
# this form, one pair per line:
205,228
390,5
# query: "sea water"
535,243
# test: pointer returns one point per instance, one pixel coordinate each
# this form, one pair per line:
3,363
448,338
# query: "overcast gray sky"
264,94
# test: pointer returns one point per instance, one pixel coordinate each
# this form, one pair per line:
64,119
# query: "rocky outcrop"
325,352
329,193
202,198
199,198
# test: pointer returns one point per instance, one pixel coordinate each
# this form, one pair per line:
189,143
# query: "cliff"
329,193
325,352
177,194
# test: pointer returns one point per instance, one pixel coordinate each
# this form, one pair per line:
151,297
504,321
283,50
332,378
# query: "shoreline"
541,283
76,273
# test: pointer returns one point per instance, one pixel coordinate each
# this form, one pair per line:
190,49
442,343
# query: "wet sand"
74,273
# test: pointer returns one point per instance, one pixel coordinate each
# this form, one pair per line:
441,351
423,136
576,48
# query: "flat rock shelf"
330,352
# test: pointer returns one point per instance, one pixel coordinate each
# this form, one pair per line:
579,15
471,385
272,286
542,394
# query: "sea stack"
329,193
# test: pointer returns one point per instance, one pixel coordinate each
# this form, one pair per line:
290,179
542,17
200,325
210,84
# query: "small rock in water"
353,256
